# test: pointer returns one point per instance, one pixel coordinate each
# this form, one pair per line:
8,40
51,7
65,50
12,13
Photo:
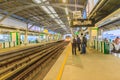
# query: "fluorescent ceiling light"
57,21
44,0
56,15
60,21
68,18
63,26
37,1
46,9
51,9
64,1
52,15
66,10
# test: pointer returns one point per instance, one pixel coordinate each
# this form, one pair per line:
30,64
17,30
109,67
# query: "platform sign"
77,14
76,33
82,22
95,28
42,34
51,32
45,31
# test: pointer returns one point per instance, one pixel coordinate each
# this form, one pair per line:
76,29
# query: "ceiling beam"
17,9
68,5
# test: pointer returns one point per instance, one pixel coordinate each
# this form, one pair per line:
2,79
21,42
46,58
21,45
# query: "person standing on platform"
84,43
73,42
117,40
78,42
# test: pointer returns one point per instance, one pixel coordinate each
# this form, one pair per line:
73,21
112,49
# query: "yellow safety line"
62,66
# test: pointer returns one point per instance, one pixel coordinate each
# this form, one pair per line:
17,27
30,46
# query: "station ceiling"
115,25
53,14
103,9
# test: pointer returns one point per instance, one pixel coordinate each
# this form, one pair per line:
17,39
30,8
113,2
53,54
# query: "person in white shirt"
114,47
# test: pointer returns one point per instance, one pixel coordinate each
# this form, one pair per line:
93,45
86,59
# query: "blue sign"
51,32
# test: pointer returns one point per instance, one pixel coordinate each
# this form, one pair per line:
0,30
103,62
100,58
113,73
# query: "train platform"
90,66
22,46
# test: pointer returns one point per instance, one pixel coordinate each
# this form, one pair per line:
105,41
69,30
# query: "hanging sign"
77,14
45,31
76,33
82,22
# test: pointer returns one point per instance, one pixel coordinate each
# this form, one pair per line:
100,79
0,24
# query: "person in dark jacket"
83,45
78,42
73,46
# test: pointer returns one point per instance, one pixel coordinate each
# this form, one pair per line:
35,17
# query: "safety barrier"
101,46
14,44
7,44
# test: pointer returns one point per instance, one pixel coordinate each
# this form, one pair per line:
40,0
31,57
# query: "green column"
101,46
97,46
106,48
94,44
4,45
17,38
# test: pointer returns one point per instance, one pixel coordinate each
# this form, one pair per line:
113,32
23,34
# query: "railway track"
10,58
25,64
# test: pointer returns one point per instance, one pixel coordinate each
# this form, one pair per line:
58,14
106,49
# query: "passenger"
78,42
84,44
112,46
20,42
106,40
115,47
73,42
81,38
117,40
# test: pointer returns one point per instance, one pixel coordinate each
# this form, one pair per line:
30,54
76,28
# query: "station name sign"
82,23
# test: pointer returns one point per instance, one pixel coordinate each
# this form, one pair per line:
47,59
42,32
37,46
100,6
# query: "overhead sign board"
82,23
77,14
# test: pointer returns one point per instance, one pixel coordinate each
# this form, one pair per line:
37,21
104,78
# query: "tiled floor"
92,66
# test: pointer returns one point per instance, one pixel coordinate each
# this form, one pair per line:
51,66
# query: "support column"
93,35
26,35
53,37
48,39
18,37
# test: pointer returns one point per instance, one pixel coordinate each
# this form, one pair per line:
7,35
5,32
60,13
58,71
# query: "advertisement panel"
1,45
6,44
12,44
